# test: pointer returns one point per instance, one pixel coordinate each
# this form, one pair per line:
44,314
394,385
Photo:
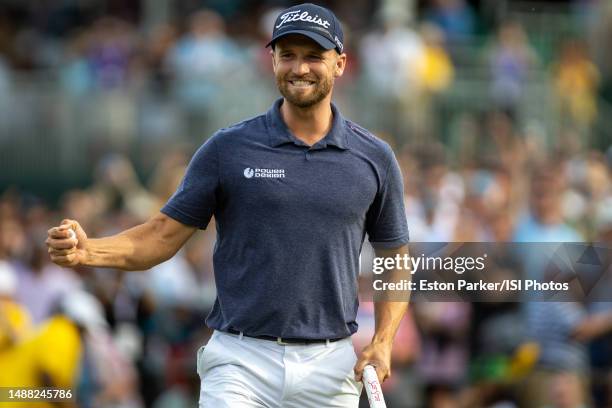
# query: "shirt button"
308,155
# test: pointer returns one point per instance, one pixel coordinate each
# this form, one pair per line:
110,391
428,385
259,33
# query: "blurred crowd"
482,175
178,60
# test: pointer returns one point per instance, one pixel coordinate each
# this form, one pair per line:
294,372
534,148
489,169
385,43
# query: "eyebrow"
311,51
302,43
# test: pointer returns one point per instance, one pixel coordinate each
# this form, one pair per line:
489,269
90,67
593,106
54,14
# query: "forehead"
292,41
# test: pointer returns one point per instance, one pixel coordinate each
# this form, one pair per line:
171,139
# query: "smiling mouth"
301,83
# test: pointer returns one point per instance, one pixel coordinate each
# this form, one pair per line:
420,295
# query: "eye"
315,57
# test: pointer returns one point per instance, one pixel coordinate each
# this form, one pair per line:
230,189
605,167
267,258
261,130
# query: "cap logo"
297,15
338,43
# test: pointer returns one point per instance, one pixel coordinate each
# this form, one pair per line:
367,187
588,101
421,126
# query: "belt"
283,340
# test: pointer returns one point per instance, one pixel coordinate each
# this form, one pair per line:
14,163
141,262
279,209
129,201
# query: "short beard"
322,90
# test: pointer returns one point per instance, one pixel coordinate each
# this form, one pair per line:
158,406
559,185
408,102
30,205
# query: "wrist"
85,256
382,340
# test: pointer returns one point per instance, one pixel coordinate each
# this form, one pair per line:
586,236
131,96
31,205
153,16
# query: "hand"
65,248
378,355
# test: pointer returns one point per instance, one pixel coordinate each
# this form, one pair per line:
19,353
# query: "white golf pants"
240,372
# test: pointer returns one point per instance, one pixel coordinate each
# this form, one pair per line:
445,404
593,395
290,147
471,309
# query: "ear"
340,65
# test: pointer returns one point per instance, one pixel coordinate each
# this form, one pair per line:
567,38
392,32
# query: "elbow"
152,243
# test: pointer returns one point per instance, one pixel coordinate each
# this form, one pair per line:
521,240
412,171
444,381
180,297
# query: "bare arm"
593,326
388,315
135,249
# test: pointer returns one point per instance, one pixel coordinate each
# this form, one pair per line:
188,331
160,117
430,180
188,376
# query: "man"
293,192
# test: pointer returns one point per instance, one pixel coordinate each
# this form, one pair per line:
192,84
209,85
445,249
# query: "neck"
308,124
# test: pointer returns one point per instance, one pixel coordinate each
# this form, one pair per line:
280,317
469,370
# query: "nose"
300,67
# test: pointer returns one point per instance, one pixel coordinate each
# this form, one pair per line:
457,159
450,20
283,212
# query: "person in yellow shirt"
436,69
435,73
576,80
51,356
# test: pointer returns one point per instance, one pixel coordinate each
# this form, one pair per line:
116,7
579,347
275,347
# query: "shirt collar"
280,133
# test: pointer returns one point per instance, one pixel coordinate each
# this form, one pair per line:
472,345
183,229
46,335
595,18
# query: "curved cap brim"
318,38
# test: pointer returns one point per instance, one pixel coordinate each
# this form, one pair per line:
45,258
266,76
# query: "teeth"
301,83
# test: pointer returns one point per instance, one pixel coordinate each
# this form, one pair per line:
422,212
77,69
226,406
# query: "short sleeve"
386,222
195,200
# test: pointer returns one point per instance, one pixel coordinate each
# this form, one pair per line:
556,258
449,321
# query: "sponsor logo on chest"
263,173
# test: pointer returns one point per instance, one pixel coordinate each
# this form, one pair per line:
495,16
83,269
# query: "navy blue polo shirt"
291,220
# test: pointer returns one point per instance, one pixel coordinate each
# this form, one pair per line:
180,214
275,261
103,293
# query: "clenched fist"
66,243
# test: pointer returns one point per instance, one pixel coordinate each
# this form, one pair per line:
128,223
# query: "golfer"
294,192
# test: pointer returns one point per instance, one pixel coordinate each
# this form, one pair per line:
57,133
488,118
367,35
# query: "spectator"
433,207
444,358
544,222
48,358
576,80
76,74
71,340
562,330
15,322
510,60
391,58
201,62
436,68
110,52
117,186
158,44
41,284
435,72
455,17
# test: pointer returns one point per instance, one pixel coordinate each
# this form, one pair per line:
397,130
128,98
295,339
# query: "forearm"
138,248
388,316
389,313
593,327
121,251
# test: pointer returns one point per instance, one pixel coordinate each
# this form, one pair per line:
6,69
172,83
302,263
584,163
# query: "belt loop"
327,342
240,335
